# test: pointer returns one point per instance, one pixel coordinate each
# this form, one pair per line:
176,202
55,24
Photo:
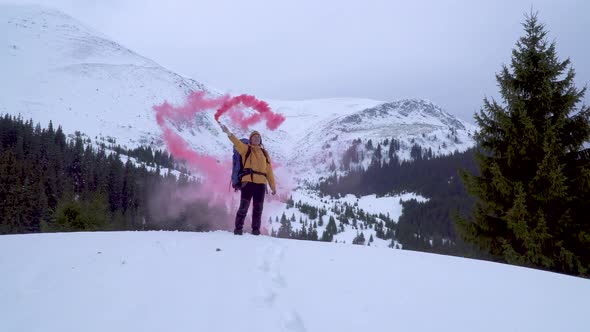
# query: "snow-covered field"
371,205
169,281
387,205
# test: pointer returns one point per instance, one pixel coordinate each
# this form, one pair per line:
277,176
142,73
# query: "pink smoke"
216,174
273,120
196,102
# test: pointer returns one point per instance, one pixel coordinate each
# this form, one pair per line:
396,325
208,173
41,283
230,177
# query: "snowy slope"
163,281
55,68
410,121
390,206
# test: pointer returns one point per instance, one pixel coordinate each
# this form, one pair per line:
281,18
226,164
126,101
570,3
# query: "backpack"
238,170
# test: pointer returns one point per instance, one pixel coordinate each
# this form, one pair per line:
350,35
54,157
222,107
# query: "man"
257,171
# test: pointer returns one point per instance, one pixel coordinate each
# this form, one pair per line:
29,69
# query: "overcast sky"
444,51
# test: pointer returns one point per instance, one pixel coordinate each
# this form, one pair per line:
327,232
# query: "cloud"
447,51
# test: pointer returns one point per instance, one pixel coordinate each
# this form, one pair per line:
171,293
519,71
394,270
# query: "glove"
224,128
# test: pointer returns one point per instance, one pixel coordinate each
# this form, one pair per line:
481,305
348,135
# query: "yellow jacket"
256,161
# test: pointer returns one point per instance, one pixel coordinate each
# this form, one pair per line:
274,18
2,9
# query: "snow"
163,170
390,206
387,205
58,69
55,68
171,281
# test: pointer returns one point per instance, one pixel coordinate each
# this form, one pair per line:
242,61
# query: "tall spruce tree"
534,181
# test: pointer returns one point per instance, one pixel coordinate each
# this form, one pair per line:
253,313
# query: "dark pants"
249,191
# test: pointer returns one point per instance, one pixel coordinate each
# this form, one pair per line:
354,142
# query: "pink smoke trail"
215,173
199,102
196,102
273,120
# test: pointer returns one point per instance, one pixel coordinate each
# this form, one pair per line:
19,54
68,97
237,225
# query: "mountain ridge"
80,79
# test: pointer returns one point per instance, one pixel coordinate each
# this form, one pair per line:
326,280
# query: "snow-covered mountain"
170,281
410,121
56,68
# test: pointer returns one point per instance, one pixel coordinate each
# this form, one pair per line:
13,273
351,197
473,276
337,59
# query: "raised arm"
239,145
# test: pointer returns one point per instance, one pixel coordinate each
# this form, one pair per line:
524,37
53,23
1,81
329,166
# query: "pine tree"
533,181
313,234
290,202
286,229
331,226
76,215
75,169
303,234
9,202
378,154
48,183
332,167
359,239
115,182
327,236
